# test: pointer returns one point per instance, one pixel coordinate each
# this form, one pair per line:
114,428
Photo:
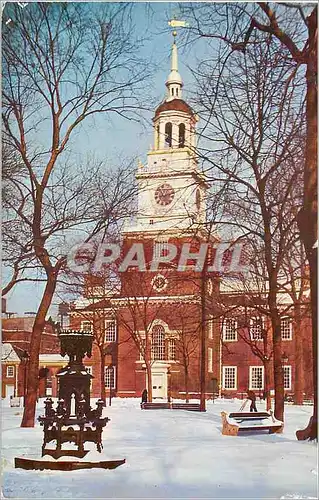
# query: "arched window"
176,91
181,136
158,342
157,136
168,134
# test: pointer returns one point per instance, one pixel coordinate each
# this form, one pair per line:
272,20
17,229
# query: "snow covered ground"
169,454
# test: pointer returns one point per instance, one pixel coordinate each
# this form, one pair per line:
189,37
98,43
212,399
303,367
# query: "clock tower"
171,187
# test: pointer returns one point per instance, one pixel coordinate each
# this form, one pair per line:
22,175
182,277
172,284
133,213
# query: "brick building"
16,336
156,316
148,331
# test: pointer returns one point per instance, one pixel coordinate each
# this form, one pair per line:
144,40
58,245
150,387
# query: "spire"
174,81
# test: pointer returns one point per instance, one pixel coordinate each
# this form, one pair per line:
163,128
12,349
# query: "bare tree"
17,249
187,341
255,144
62,63
97,314
294,28
296,285
136,311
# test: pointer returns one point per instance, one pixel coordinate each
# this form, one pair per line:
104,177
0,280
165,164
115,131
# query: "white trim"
223,380
52,359
157,322
251,368
210,328
182,298
210,360
127,392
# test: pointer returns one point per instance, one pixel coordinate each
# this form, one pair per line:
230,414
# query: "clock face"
164,194
159,282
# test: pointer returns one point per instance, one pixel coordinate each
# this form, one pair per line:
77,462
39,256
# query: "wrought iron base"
64,453
30,464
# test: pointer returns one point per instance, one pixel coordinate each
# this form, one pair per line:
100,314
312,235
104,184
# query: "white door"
158,385
9,390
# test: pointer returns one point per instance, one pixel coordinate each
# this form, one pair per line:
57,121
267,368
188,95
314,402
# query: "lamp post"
25,359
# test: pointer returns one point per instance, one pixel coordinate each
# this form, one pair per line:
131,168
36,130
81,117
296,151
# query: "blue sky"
120,138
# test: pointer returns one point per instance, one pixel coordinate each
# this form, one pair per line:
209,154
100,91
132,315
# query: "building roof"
9,353
174,105
52,358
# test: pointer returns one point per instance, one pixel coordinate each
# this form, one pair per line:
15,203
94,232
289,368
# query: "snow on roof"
52,358
8,354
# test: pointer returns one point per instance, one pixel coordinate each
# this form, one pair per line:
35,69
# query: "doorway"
158,385
9,390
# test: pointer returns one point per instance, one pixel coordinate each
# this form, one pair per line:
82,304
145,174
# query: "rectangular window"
110,330
86,326
256,377
10,371
287,377
230,377
256,328
286,328
229,330
210,360
110,377
171,349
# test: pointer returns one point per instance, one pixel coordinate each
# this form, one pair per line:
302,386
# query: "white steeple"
174,82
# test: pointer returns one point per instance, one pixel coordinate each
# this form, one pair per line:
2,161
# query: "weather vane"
174,23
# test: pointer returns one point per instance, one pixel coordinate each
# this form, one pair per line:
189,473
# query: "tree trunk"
278,369
308,215
186,384
299,369
311,431
267,384
203,343
33,364
102,375
149,382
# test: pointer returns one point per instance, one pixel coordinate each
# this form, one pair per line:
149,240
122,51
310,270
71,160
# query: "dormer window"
181,136
168,134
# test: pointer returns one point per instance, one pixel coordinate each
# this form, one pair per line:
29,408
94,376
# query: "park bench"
241,422
186,406
170,406
155,406
308,402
